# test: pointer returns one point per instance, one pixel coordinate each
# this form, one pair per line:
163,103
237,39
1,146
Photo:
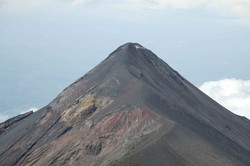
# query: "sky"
45,45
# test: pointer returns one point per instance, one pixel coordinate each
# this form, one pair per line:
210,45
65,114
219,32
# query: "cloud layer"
234,94
238,11
3,117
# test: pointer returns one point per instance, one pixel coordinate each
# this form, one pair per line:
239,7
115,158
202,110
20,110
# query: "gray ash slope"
131,109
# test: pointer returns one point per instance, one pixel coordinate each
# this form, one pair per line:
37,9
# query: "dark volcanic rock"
131,109
93,149
5,125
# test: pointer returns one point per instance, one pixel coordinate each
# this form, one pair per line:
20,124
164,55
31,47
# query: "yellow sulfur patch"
83,108
80,110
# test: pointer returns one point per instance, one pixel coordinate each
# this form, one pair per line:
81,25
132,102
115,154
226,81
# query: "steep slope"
131,109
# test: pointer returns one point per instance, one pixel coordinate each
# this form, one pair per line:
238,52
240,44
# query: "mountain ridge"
131,109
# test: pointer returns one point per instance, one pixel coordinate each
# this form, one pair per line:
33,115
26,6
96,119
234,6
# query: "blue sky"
47,44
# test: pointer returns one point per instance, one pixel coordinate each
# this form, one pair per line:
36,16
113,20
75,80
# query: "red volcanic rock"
132,109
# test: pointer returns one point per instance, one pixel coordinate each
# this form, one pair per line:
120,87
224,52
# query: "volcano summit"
132,109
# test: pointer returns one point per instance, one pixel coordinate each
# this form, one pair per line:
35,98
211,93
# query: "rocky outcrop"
93,149
5,125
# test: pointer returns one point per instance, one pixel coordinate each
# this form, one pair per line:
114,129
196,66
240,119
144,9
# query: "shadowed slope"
131,109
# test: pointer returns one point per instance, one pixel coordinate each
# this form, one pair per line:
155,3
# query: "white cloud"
235,8
234,94
237,11
161,4
3,117
80,2
240,8
8,4
31,109
154,4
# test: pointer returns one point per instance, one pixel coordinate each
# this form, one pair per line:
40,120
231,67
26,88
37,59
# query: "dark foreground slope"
132,109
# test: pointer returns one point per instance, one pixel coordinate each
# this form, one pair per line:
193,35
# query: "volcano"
132,109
